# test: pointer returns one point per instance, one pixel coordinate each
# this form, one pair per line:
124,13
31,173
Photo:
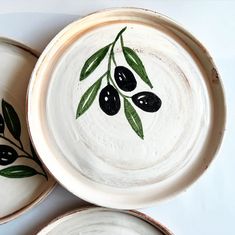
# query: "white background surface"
207,207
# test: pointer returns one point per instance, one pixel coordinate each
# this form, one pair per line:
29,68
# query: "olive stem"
39,173
117,37
112,57
102,76
119,92
28,156
122,43
21,145
111,54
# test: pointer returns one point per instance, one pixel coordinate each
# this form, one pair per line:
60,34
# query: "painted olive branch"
28,155
8,154
119,92
111,54
112,57
19,147
124,79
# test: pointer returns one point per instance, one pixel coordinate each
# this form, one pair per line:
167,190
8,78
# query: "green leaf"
19,171
133,118
136,64
92,63
2,124
88,98
12,120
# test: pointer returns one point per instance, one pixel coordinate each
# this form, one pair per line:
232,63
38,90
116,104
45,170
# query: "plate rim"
143,216
207,55
7,218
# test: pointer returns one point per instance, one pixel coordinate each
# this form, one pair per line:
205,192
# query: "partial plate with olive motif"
97,220
24,180
126,108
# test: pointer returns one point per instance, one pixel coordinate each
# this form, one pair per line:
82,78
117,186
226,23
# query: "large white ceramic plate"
23,179
126,108
104,221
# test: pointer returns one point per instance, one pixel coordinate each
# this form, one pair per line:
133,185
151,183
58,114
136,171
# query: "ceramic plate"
104,221
126,108
23,179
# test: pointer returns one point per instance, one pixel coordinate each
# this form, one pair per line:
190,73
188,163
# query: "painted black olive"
109,100
1,124
7,155
147,101
124,78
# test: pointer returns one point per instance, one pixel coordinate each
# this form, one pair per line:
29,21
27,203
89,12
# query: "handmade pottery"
24,180
126,108
97,220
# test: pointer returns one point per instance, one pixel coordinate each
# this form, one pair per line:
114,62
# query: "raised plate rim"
125,205
135,213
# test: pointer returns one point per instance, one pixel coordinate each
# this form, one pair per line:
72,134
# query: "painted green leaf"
92,63
88,98
2,124
19,171
136,64
12,120
133,118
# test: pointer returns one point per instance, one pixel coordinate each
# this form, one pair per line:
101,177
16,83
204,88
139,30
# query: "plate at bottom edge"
24,180
97,220
126,108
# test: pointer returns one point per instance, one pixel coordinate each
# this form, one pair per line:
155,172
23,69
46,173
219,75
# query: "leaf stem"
39,173
28,155
102,76
21,145
122,43
30,158
112,57
43,174
111,54
119,92
119,35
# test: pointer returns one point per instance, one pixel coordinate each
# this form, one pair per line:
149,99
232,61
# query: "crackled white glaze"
101,155
16,195
100,221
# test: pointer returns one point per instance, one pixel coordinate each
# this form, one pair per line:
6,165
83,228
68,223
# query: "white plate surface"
104,221
156,154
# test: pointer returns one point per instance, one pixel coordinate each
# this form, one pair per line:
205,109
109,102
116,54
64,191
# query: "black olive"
147,101
109,100
7,155
2,126
124,78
